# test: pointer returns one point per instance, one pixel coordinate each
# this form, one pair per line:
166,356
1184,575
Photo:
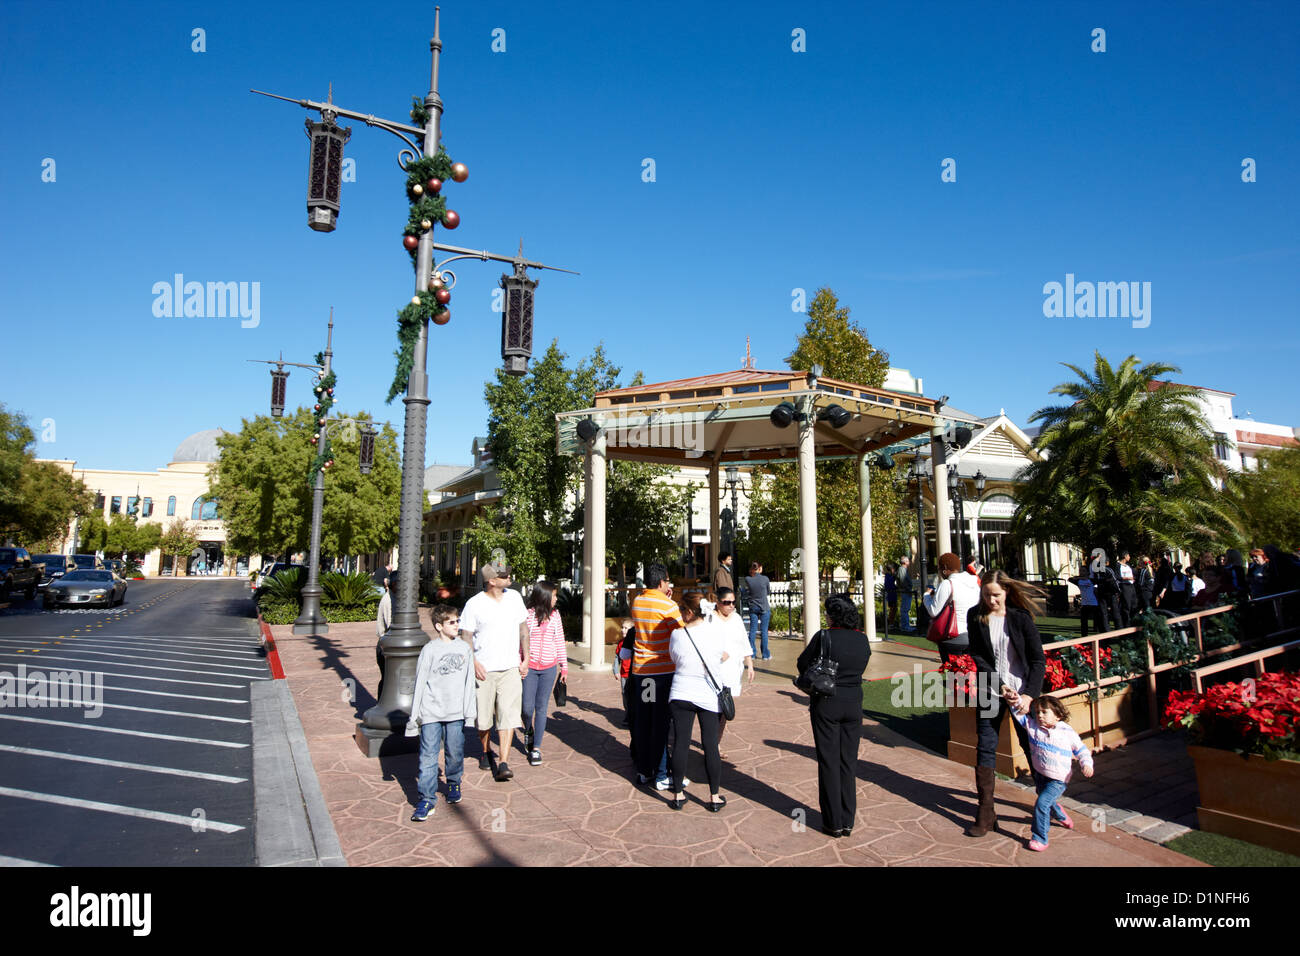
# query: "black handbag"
561,692
726,703
819,678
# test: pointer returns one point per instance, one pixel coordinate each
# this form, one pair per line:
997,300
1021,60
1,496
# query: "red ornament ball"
450,219
411,243
459,172
331,391
442,318
435,186
443,296
315,408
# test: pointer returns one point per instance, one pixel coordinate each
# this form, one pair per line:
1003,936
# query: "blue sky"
774,170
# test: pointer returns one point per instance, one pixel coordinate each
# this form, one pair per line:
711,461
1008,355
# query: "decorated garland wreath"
424,179
324,458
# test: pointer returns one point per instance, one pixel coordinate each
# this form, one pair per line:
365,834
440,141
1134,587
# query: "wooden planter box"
1248,798
1120,716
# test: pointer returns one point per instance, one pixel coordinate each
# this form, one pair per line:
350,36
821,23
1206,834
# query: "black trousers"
1093,613
836,728
650,718
987,730
684,713
1128,600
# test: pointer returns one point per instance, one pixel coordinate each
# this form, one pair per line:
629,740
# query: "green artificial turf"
1219,850
928,726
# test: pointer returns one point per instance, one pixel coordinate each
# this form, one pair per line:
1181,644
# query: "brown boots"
986,817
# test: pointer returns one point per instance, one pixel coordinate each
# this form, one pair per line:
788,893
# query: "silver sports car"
86,588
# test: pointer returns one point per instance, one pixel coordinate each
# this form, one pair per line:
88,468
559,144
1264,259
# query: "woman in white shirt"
694,693
964,590
736,644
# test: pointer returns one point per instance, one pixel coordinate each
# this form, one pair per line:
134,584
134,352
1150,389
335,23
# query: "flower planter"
1248,798
962,745
1120,716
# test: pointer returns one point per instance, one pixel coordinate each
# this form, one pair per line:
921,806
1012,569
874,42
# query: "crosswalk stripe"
144,710
148,667
15,861
118,809
119,730
123,764
153,657
132,644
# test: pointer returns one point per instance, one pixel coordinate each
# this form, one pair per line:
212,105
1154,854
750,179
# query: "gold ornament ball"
415,300
435,284
426,225
417,190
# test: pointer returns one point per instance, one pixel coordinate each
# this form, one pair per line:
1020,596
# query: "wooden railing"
1152,669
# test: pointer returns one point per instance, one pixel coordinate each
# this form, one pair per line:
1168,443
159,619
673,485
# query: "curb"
272,655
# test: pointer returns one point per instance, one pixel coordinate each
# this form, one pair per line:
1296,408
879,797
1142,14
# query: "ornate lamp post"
980,481
382,729
918,474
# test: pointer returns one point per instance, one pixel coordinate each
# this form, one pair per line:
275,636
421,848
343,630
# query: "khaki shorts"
501,695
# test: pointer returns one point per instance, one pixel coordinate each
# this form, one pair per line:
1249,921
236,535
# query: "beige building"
177,490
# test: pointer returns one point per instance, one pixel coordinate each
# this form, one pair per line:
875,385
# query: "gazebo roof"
724,418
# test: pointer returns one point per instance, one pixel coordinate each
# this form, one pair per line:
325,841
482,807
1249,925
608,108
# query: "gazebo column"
585,581
808,527
715,520
942,507
594,586
868,558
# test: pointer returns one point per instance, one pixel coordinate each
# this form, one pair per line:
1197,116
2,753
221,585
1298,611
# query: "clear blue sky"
775,170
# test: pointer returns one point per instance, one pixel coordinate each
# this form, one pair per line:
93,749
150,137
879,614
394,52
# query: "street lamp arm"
330,110
318,368
484,255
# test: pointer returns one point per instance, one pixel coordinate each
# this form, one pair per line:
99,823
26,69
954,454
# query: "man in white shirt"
492,622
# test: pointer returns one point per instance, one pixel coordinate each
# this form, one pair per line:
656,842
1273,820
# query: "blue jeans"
537,700
1049,791
448,735
904,608
759,619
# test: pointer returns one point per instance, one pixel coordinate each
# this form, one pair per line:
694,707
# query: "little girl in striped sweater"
547,655
1053,748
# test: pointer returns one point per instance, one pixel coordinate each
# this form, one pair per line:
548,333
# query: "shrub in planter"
279,612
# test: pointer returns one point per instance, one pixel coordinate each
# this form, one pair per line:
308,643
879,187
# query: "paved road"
161,774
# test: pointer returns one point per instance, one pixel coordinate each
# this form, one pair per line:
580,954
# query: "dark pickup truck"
18,573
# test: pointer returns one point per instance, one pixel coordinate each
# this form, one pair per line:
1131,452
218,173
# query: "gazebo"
744,418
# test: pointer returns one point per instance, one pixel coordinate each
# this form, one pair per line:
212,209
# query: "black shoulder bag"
819,678
726,703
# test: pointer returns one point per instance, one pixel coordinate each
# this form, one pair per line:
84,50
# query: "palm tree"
1129,464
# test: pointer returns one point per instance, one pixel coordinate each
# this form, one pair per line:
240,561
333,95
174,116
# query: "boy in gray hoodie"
443,706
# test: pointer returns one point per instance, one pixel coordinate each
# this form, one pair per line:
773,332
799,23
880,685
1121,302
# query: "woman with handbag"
958,592
1008,654
698,653
830,670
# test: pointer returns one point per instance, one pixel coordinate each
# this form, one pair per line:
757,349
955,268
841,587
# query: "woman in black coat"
837,719
1008,653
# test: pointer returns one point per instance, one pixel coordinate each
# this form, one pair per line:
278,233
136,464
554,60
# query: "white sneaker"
667,783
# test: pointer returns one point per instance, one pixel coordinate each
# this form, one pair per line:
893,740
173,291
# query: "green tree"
16,440
92,533
529,520
844,352
260,483
1129,464
125,536
37,498
178,541
1268,500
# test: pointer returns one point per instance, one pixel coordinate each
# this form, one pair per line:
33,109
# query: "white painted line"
162,680
116,808
15,861
145,710
163,693
130,644
118,730
124,764
149,657
148,667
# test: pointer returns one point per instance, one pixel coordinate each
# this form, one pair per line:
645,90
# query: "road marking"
146,710
163,680
15,861
124,764
119,730
132,645
158,815
170,660
163,693
147,667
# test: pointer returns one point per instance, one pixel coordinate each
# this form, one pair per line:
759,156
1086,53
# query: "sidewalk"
580,807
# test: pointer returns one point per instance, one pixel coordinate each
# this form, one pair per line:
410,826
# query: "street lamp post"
383,726
957,493
980,481
918,472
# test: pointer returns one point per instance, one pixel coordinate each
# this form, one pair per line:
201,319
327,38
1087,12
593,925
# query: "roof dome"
201,446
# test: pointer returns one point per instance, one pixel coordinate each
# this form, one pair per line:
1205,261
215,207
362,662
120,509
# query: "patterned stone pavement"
580,807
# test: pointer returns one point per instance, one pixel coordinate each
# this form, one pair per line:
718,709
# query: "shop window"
147,510
171,506
116,506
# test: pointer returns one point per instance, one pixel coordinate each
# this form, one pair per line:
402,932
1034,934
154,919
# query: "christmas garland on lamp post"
424,180
324,458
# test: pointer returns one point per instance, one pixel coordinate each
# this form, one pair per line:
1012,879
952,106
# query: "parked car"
86,587
19,573
55,566
87,562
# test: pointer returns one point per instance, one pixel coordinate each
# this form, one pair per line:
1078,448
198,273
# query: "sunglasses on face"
726,602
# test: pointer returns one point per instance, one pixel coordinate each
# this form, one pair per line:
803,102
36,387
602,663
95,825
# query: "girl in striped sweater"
1053,747
547,658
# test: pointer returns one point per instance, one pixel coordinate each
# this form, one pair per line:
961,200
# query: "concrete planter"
1248,798
1120,716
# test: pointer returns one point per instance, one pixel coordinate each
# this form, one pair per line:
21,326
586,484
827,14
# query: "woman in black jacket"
837,720
1008,653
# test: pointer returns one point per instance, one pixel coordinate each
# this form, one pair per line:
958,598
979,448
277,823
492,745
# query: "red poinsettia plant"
1061,673
964,669
1259,716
